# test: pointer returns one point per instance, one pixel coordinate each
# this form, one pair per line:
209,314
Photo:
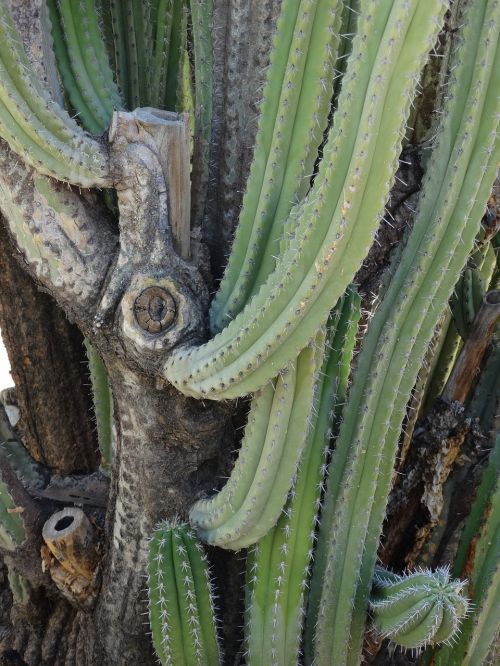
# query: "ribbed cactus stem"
418,609
12,531
457,184
36,127
19,586
294,114
253,498
338,219
83,62
278,566
103,406
181,607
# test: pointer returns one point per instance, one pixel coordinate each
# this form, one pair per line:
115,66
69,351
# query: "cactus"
417,609
458,179
181,607
330,239
278,566
278,423
19,586
103,407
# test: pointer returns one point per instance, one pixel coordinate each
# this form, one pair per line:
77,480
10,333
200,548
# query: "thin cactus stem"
19,586
294,114
36,127
161,17
417,609
178,62
83,61
336,223
277,567
12,530
103,406
481,542
253,498
458,181
181,607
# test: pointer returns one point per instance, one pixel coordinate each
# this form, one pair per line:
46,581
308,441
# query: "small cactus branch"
417,609
458,181
336,222
83,62
278,566
181,607
103,406
293,116
253,498
36,127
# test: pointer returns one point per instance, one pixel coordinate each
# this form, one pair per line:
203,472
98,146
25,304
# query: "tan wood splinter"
73,541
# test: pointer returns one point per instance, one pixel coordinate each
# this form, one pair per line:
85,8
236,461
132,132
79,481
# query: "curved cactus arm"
181,607
458,181
103,406
417,609
83,62
37,128
294,114
253,498
278,566
337,220
480,543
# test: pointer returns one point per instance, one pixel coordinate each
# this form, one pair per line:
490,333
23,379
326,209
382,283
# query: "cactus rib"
277,567
458,181
37,128
251,502
337,220
181,608
103,406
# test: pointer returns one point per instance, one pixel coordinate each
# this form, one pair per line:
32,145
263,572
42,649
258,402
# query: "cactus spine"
252,500
278,566
181,607
330,238
417,609
458,180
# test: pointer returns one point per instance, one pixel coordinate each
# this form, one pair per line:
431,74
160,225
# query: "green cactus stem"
250,503
83,62
466,300
336,222
103,406
39,129
19,586
278,566
12,531
294,114
181,607
458,180
417,609
479,556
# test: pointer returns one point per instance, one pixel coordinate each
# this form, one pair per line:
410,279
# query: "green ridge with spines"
103,406
259,485
162,31
278,565
356,540
285,154
417,609
266,335
36,127
178,59
180,605
19,586
12,531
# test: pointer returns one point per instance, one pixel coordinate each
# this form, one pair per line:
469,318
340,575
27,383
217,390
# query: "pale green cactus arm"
278,566
181,607
251,502
458,181
336,223
417,609
83,62
293,116
19,586
103,406
37,128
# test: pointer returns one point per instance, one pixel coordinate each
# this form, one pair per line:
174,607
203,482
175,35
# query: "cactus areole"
212,192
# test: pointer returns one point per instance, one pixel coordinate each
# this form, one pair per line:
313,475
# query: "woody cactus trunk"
259,426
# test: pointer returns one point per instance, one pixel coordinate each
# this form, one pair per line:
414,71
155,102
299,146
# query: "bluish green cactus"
181,607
